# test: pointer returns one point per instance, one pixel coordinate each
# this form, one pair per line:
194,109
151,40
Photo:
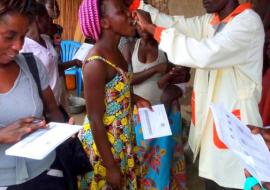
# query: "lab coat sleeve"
194,27
227,48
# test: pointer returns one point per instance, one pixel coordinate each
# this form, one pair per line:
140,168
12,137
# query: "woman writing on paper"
21,104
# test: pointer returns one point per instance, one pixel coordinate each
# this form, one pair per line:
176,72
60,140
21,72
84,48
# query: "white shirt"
49,58
147,87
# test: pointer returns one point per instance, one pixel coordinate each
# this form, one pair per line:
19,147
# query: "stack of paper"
40,143
251,149
154,123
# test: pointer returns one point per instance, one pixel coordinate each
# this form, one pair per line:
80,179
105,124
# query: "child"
107,136
162,159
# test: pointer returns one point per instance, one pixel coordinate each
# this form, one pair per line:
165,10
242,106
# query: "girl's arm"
50,106
94,81
146,74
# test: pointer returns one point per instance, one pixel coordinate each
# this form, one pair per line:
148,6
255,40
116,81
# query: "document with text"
43,141
250,149
154,123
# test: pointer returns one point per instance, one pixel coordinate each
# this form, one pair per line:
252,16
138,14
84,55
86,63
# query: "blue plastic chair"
68,50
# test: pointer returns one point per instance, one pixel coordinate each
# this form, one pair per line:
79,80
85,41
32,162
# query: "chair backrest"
68,49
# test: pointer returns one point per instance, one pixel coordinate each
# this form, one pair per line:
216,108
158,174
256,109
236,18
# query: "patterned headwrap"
90,19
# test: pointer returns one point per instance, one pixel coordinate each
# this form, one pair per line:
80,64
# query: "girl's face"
52,8
143,34
13,28
119,17
44,23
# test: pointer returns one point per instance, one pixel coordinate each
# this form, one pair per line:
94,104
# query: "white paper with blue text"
250,149
43,141
154,123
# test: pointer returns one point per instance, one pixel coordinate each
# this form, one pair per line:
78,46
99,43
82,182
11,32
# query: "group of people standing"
225,46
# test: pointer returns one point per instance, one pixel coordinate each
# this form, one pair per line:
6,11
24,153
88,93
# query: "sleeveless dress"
161,159
117,120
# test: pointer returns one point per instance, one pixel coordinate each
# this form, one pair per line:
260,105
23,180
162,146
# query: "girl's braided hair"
15,6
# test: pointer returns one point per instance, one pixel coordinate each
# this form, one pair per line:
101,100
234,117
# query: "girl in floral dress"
107,136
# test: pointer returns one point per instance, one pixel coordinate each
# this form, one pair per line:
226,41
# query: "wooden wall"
69,16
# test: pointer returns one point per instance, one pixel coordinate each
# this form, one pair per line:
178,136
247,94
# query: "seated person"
38,43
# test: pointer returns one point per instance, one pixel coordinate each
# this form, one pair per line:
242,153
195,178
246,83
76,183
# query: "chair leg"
79,83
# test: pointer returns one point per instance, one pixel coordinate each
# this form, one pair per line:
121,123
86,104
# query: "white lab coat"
228,64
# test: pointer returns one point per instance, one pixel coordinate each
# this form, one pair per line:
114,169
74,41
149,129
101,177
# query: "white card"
83,51
154,123
250,149
43,141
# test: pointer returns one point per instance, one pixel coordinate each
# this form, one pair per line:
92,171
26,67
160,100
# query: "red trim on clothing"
157,33
217,141
244,6
193,115
134,5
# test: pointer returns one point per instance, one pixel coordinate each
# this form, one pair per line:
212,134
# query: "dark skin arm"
144,21
16,131
94,81
175,76
63,66
144,75
140,102
50,106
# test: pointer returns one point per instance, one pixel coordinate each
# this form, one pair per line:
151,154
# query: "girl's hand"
144,22
16,131
265,132
179,75
71,121
258,187
141,102
114,177
162,68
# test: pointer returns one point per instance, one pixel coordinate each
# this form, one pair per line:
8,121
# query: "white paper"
43,141
154,123
250,149
83,51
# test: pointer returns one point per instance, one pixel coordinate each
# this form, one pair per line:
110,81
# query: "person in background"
52,8
225,47
22,107
55,31
40,44
162,159
54,12
108,135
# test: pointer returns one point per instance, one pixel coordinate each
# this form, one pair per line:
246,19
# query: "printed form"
43,141
154,123
250,149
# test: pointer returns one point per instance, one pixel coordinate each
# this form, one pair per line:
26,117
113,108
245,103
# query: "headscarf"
89,17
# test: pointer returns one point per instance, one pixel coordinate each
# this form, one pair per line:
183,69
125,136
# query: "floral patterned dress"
117,120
